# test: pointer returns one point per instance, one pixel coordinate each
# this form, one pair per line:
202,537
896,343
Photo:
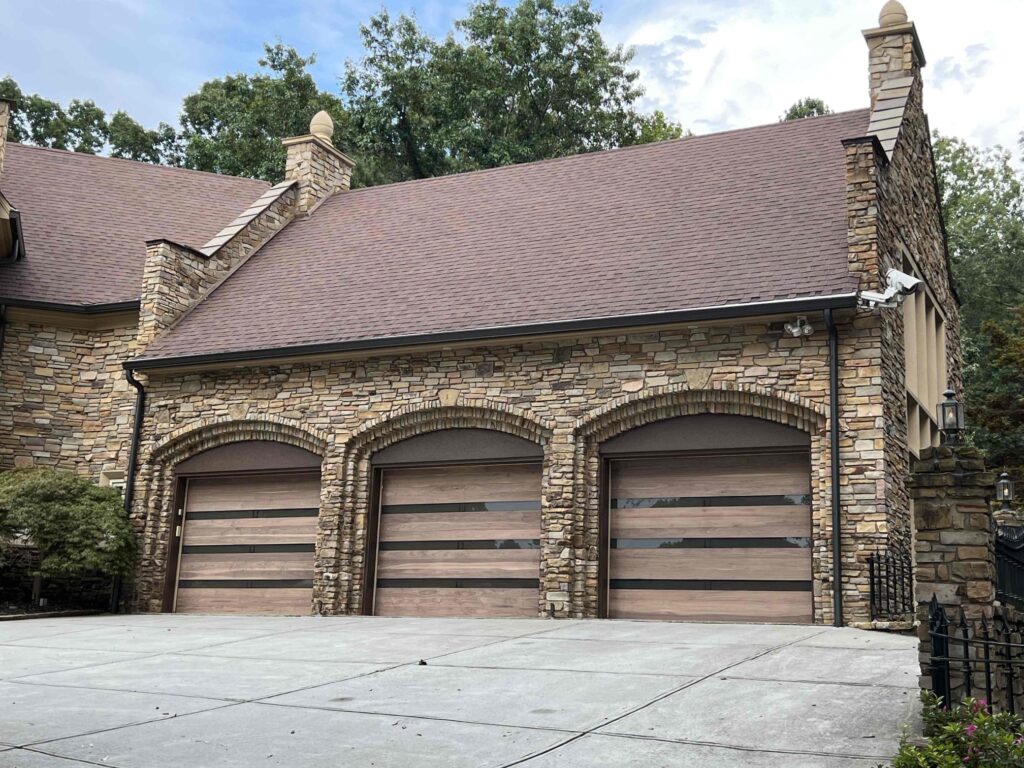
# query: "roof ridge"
140,163
602,152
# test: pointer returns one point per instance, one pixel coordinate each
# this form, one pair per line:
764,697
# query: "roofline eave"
697,314
78,309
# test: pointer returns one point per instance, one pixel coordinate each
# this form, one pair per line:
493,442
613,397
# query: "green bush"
967,736
78,527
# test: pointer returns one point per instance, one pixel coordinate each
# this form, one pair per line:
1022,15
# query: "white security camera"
902,282
898,285
800,328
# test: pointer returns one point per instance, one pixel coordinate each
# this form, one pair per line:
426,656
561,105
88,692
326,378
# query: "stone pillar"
316,164
558,547
955,544
6,107
894,49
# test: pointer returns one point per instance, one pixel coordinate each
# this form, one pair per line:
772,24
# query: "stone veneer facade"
64,399
567,393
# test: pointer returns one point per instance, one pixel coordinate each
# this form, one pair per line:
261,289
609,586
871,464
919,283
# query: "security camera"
903,283
898,285
800,328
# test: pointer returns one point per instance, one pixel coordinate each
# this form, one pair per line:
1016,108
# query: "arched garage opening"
245,530
707,517
455,525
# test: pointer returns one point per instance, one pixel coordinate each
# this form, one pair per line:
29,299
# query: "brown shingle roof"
86,220
749,215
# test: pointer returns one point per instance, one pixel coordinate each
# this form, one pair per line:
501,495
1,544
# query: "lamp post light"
951,418
1004,491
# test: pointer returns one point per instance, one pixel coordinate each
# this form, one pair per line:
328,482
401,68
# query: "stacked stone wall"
318,167
64,399
567,395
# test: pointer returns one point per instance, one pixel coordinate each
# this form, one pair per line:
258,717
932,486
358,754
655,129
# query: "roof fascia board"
77,309
698,314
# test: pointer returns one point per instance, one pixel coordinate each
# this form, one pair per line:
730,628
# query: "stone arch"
342,539
642,408
195,438
153,509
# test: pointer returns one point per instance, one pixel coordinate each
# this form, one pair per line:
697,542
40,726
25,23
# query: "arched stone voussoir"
205,434
433,415
640,408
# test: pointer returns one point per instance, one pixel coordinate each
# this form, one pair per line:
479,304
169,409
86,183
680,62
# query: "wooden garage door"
247,544
713,537
459,541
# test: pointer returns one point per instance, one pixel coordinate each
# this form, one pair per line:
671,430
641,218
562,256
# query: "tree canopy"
982,196
235,124
809,107
78,527
507,85
517,84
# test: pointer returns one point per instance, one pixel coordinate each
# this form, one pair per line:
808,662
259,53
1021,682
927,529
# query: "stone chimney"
316,164
894,49
6,108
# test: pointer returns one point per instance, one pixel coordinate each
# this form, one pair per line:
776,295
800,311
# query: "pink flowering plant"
967,736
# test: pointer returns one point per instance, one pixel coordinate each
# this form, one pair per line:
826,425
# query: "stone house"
652,382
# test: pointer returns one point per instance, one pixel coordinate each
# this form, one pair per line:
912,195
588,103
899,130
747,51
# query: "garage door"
459,541
713,537
247,544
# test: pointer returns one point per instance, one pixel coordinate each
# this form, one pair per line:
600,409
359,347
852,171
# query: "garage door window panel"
715,534
459,540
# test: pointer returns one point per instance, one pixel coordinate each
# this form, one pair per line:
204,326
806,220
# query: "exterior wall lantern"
951,418
1004,491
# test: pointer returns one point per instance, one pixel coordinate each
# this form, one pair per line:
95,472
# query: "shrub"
78,527
967,736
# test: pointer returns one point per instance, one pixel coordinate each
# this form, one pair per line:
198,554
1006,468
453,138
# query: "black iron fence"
891,576
1010,564
979,658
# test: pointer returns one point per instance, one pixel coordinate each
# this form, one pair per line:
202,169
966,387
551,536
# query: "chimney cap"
892,13
322,126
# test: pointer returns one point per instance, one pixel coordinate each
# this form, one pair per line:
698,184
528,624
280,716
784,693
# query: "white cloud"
719,65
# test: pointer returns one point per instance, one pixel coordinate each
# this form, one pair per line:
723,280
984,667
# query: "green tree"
656,127
809,107
129,139
235,124
983,207
998,398
83,127
512,84
79,528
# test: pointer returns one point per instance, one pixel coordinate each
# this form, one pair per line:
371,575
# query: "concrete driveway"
205,691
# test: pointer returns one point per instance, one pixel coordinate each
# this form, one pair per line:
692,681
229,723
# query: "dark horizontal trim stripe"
727,585
218,549
712,501
458,583
717,312
467,544
245,584
78,309
243,514
464,506
717,543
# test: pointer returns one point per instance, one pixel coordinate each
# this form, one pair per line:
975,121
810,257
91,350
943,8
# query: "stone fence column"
955,543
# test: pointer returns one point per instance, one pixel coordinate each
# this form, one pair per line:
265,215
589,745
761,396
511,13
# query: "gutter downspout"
129,480
833,419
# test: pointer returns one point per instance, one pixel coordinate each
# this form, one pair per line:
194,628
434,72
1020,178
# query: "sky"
709,64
